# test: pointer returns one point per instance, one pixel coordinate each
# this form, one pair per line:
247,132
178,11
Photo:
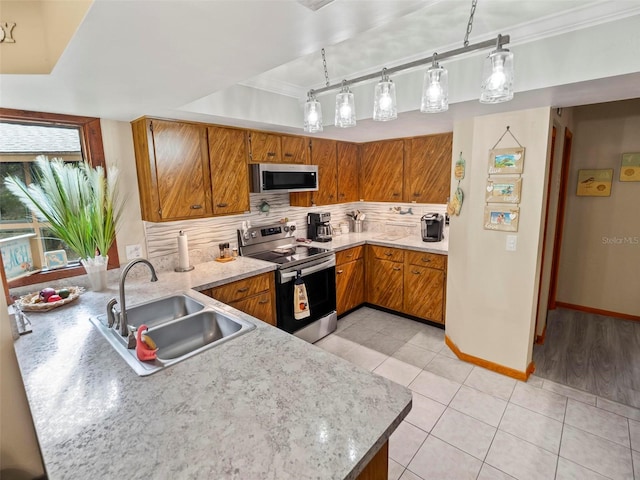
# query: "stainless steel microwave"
280,177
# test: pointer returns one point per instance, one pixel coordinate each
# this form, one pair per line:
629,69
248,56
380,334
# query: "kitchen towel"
300,300
183,251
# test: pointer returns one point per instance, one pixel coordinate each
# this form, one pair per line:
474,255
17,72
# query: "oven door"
320,282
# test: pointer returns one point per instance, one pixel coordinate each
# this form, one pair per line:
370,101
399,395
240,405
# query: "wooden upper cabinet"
381,171
294,149
347,172
428,168
172,159
264,148
229,172
323,154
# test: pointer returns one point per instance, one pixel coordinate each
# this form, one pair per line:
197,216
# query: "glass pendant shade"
345,109
384,103
435,90
312,115
497,77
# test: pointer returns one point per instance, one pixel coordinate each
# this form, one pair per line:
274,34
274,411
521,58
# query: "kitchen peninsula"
265,405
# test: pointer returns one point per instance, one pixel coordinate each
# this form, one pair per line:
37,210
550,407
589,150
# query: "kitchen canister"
344,227
356,225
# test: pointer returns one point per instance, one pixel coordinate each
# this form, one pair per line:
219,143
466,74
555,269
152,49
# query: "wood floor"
598,354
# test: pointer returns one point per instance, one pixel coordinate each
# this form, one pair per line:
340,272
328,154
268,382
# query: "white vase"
96,268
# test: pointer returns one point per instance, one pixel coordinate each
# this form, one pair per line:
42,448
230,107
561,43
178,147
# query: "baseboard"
597,311
541,338
509,372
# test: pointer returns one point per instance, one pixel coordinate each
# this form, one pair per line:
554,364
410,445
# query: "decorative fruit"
64,292
45,293
53,298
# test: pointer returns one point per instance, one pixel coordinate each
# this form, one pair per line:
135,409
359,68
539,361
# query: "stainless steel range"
316,266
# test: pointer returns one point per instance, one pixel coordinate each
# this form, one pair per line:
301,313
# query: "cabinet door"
294,149
234,291
262,306
182,169
381,171
428,168
323,154
264,148
349,285
384,283
229,171
424,292
347,172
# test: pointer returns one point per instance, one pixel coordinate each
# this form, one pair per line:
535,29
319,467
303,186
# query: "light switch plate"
134,251
512,243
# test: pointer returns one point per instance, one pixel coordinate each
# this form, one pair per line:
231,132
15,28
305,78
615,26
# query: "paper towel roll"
183,251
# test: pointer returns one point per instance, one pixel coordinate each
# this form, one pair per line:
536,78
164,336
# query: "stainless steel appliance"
317,267
319,227
277,177
432,227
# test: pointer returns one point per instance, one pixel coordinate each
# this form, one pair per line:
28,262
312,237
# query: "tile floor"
471,423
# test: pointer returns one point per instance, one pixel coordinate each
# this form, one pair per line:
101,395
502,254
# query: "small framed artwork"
594,183
55,259
502,218
630,169
506,160
503,189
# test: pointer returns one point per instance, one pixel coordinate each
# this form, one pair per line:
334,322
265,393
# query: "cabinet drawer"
242,288
260,306
431,260
387,253
349,255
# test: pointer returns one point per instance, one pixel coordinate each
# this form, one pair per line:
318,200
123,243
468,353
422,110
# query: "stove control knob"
286,228
254,234
292,228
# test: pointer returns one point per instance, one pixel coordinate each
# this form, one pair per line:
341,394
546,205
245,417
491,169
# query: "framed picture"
506,160
594,183
503,189
503,218
630,169
55,259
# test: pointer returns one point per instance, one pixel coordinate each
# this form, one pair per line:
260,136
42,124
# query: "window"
23,136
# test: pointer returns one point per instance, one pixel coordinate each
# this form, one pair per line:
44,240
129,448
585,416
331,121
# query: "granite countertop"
396,240
265,405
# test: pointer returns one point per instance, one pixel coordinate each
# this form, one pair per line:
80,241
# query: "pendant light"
435,89
497,76
384,103
345,108
312,114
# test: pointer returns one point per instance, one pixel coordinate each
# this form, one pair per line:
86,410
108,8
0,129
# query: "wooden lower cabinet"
254,296
349,279
409,282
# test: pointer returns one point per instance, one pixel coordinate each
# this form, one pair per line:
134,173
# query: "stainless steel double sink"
181,327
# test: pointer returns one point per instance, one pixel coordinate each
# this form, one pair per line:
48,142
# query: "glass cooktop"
291,253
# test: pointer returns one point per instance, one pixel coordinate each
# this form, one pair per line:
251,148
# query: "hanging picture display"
504,186
594,183
455,205
630,168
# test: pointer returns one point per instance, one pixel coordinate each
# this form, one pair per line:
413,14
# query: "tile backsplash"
205,234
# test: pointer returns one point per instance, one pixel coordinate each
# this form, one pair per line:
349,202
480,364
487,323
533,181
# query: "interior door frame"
562,202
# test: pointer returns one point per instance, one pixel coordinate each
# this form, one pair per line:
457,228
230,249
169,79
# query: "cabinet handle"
426,260
196,207
349,255
397,268
222,205
342,194
242,290
339,271
416,194
388,254
262,302
396,194
271,154
415,272
288,154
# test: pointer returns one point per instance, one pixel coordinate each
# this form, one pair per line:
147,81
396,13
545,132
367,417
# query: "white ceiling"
188,59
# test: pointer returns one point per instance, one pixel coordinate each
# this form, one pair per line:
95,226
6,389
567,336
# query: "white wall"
492,293
601,240
117,139
18,444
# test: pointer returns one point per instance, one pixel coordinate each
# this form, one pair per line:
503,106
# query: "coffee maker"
432,227
319,226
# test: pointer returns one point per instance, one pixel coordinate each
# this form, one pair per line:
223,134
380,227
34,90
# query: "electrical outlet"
512,243
134,251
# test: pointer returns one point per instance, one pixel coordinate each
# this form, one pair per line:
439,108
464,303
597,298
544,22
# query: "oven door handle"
285,277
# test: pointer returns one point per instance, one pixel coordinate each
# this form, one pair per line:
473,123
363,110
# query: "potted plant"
82,207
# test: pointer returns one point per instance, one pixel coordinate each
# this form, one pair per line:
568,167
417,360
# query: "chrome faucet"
112,314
